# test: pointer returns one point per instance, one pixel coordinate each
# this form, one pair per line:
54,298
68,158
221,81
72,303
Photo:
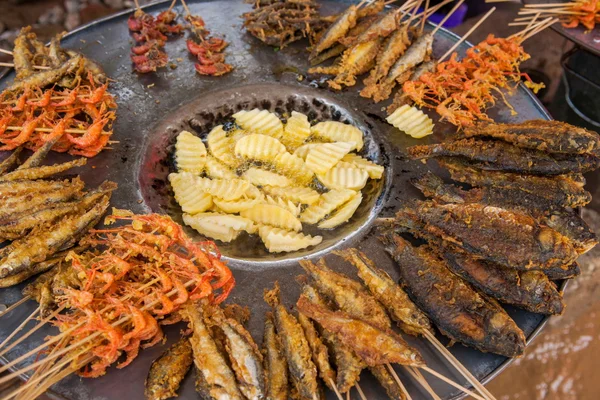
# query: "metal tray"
154,107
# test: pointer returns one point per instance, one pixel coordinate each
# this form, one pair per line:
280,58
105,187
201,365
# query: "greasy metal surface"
588,40
152,108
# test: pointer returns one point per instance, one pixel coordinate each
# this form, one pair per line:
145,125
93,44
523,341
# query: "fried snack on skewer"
167,371
275,363
348,364
295,346
566,222
563,272
549,136
215,378
373,344
494,234
337,30
244,356
503,156
561,190
349,295
11,161
406,314
385,379
42,172
459,312
320,354
530,290
43,241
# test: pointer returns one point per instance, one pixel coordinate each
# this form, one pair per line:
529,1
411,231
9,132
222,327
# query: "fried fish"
167,371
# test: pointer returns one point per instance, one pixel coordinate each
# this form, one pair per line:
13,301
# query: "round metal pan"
590,41
154,107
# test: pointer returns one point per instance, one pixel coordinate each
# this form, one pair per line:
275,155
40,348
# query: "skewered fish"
374,345
320,354
11,161
42,172
550,136
531,290
244,356
337,30
497,155
167,371
275,363
382,27
214,377
44,241
494,234
386,380
349,365
406,314
355,61
563,272
48,77
349,295
562,190
567,223
295,346
458,311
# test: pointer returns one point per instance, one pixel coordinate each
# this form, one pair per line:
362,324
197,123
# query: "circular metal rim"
534,334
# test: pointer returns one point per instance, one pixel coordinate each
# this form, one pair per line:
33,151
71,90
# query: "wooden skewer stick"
443,21
432,10
360,392
462,39
11,65
502,1
348,395
18,329
398,381
362,3
122,320
335,389
185,7
416,374
540,28
452,383
32,331
550,5
15,305
553,11
424,18
458,365
529,27
10,53
79,131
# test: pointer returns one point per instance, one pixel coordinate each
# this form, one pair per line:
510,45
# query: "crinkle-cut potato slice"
236,206
260,121
293,167
375,171
226,189
191,198
287,204
411,121
190,153
217,170
302,195
259,147
234,222
327,203
267,214
334,131
278,240
323,157
343,214
296,130
261,177
302,151
344,178
254,193
211,229
221,146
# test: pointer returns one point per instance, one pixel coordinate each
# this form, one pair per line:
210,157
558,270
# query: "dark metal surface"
154,107
588,40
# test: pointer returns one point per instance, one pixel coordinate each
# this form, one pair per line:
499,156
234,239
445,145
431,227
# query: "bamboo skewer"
443,21
549,5
398,381
335,389
452,383
360,392
18,329
466,35
15,305
80,131
424,18
458,365
543,26
11,65
433,9
416,374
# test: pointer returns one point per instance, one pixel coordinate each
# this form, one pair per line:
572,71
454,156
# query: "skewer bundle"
570,14
67,104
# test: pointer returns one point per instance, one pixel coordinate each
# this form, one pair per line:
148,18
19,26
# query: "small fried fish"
320,354
386,380
167,371
42,172
275,363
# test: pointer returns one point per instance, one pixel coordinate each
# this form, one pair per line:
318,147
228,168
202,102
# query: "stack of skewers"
570,14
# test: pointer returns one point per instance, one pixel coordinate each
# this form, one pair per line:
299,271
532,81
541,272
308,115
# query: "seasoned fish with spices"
167,371
276,368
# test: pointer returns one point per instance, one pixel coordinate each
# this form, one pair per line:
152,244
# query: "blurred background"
561,362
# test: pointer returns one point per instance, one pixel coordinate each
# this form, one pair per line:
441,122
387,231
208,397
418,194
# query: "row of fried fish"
383,44
342,327
42,214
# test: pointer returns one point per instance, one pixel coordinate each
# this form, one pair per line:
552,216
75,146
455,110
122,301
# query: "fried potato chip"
211,229
333,131
190,153
234,222
302,195
216,169
287,204
191,198
344,178
343,214
375,171
302,151
261,177
411,121
226,189
323,157
221,146
327,203
260,121
293,167
259,147
296,131
236,206
267,214
278,240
